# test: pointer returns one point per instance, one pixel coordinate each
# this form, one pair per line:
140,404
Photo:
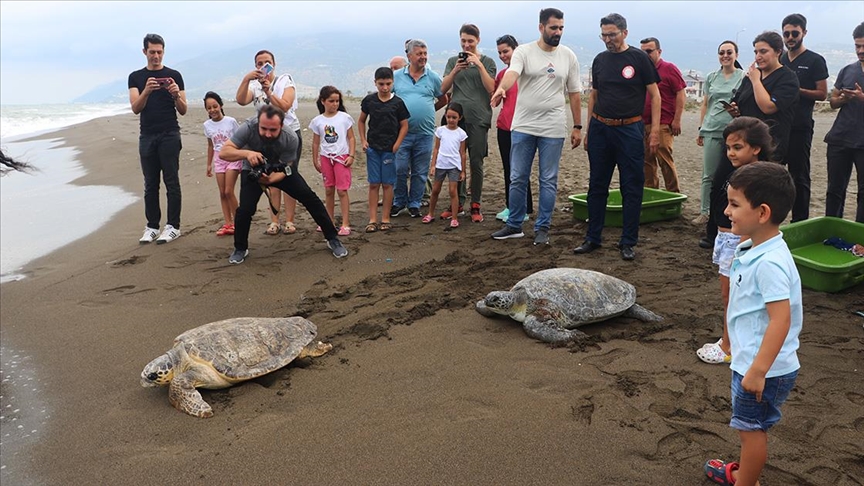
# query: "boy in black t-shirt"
388,125
157,93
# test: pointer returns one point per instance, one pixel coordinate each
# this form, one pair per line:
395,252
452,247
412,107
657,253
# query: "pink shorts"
335,172
221,166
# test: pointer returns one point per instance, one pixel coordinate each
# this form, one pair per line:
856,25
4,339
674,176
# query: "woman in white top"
261,86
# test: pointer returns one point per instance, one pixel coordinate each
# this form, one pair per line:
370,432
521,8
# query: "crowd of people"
753,121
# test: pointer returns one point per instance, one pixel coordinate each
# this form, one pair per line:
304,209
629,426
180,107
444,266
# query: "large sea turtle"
551,303
220,354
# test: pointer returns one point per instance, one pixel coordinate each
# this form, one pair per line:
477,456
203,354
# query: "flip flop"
720,472
344,231
372,227
454,223
428,219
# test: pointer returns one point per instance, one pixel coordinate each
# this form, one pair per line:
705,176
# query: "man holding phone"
157,93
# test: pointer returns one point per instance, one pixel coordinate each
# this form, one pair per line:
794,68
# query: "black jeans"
160,155
798,159
504,148
295,186
840,162
721,175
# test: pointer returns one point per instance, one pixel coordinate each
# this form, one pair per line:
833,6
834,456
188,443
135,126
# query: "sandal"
712,353
273,229
344,231
428,219
454,223
290,229
720,472
385,226
225,230
372,227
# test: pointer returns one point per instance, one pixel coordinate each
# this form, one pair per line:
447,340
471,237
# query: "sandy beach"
419,388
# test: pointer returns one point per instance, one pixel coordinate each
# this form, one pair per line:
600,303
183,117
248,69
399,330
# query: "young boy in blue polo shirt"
764,316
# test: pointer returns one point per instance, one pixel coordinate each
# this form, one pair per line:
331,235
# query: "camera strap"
273,209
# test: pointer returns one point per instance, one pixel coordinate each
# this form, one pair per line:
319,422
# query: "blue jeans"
607,147
412,158
160,155
522,149
748,414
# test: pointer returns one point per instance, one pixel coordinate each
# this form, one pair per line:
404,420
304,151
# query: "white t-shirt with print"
544,77
220,132
449,156
278,87
333,132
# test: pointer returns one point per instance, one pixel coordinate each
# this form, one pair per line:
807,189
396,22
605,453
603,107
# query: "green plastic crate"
657,205
823,267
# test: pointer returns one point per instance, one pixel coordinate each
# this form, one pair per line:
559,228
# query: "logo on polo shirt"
628,72
550,71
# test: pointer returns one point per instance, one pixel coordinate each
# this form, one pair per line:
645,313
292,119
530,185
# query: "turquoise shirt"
419,97
717,88
760,275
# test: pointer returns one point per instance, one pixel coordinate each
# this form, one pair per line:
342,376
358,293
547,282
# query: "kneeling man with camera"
267,152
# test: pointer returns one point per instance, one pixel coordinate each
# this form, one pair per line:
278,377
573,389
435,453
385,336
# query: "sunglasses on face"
725,53
791,33
506,39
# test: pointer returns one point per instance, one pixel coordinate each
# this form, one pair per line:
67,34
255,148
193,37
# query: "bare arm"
316,147
818,94
361,127
680,102
284,102
507,82
352,147
434,156
576,111
441,102
779,321
592,97
763,98
654,135
231,153
244,94
703,108
403,132
209,158
138,99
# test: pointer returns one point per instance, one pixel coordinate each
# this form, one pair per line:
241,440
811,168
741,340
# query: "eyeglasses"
725,53
648,51
791,33
610,36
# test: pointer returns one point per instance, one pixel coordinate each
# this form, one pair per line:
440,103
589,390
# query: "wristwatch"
577,127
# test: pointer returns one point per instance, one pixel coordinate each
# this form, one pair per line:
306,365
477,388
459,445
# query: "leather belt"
616,122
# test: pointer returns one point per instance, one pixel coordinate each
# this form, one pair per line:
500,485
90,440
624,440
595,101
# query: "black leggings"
504,148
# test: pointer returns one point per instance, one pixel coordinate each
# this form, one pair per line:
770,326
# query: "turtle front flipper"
183,395
549,331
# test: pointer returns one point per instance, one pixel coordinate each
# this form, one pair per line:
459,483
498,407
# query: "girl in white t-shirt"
333,151
449,156
218,130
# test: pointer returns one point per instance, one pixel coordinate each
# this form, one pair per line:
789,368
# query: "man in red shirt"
672,98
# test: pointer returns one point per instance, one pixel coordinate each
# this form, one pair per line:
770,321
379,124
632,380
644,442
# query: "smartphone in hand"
267,68
163,82
725,104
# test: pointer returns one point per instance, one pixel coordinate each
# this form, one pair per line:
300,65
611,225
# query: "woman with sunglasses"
720,86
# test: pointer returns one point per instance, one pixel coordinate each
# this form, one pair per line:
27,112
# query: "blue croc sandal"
720,472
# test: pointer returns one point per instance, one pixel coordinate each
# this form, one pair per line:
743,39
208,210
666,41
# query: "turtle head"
158,372
315,349
500,302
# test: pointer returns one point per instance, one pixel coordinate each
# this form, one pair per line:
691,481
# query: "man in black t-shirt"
157,93
622,75
812,75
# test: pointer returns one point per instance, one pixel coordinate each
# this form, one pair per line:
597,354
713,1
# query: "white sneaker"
168,234
150,234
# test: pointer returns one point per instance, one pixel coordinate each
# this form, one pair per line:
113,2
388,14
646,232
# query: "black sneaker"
627,252
414,212
541,237
585,247
238,257
337,248
508,232
397,210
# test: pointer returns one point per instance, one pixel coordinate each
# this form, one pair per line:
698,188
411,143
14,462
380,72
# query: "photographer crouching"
267,152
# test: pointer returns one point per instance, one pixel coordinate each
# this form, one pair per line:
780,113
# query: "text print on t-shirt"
628,72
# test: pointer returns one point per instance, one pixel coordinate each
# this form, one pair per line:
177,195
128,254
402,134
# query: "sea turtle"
220,354
551,303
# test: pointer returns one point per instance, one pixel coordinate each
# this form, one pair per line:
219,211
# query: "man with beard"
544,69
267,152
622,75
812,77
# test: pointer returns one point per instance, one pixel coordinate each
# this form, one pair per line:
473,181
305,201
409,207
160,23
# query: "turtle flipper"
183,395
641,313
549,331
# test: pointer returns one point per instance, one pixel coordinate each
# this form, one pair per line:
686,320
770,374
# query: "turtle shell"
584,296
248,347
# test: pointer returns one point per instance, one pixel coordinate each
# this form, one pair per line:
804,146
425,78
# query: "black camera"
266,168
463,56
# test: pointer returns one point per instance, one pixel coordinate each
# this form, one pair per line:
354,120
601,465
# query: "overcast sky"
51,52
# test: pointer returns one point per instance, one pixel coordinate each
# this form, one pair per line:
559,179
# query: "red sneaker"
476,215
447,214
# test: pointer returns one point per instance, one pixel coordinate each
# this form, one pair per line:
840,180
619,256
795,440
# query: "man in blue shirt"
420,89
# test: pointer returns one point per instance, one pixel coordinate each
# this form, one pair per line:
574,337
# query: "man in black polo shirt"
621,77
812,75
158,94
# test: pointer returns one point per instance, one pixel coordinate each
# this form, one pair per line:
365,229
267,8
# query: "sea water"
41,211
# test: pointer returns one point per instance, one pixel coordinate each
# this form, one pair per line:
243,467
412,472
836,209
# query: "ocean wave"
19,120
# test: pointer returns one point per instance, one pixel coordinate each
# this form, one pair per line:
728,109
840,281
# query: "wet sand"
419,389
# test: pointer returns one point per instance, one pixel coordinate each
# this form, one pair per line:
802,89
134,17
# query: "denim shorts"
748,415
380,167
450,174
724,251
